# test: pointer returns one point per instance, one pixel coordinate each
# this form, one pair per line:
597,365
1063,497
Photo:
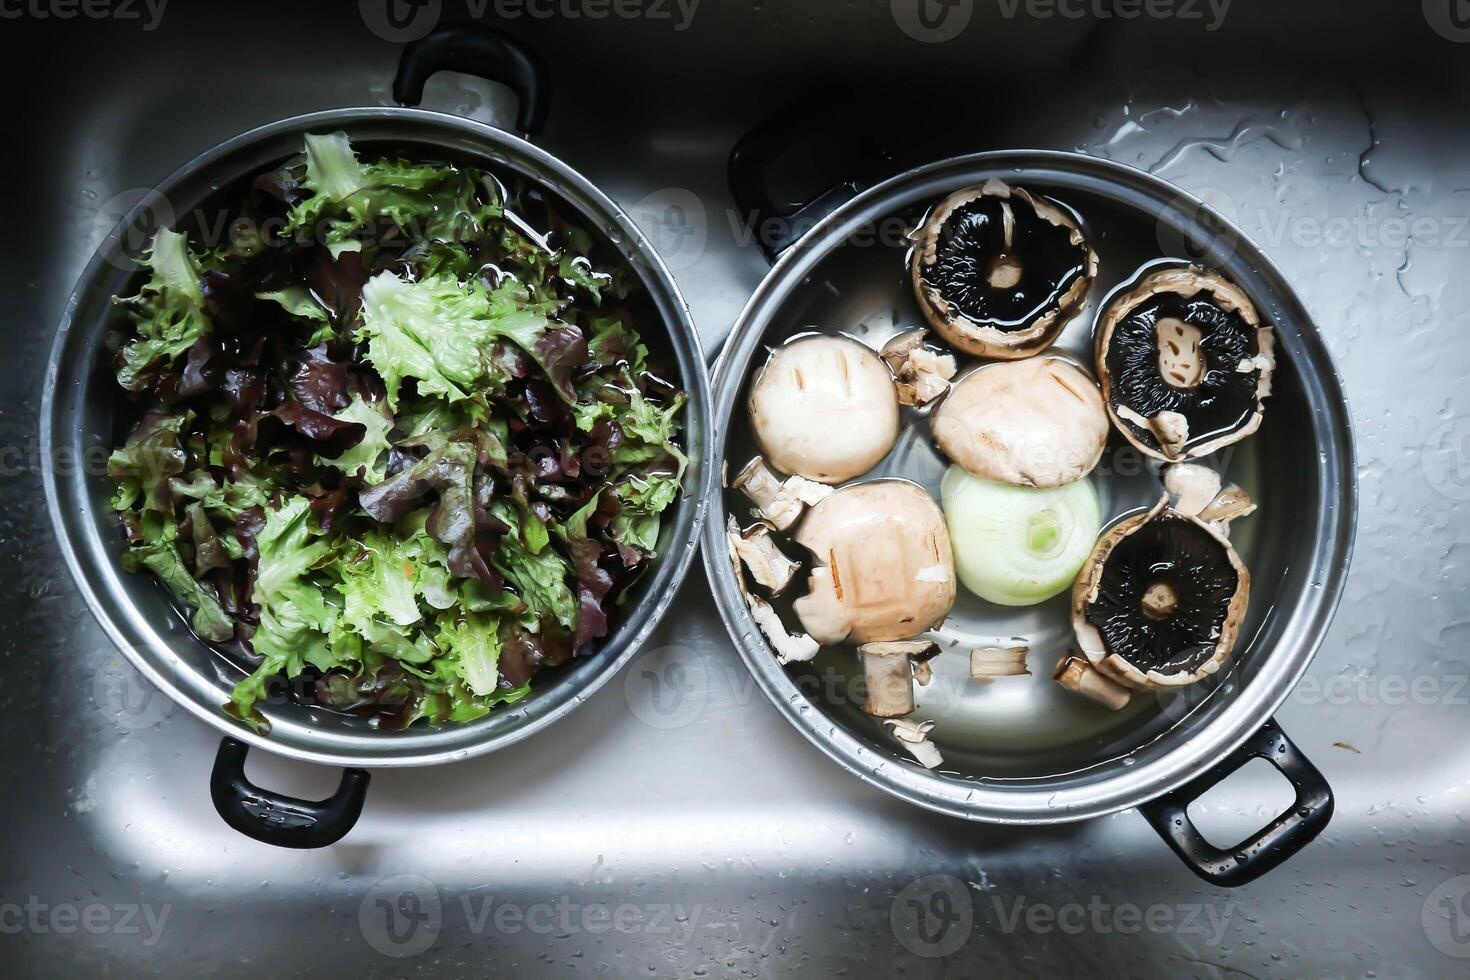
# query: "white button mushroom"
884,567
824,408
1034,423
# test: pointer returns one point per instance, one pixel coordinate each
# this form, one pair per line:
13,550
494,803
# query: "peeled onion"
1017,546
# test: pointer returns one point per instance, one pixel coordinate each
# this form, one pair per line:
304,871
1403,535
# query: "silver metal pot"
1014,752
77,418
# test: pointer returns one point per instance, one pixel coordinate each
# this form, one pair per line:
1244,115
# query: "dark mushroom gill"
1221,400
970,247
1182,556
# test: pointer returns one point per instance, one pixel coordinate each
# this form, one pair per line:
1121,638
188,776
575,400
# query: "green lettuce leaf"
539,579
159,553
295,616
167,313
369,455
643,499
423,201
473,644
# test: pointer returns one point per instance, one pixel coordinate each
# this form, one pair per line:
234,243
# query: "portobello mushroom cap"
1034,423
1160,602
998,271
824,408
1185,363
884,567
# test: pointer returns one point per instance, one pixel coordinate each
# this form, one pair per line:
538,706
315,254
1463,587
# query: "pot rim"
1039,801
93,563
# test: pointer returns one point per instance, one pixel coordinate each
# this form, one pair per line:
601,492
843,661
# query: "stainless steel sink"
675,825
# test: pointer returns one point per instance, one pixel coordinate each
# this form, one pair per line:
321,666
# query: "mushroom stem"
1181,364
1077,675
1160,601
988,662
890,678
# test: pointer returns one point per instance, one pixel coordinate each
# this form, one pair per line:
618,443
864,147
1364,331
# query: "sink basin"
676,825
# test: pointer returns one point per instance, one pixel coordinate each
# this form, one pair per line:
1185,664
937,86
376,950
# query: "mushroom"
768,565
884,568
1034,423
1185,362
999,271
1160,602
923,373
776,502
888,669
988,662
788,647
824,408
914,736
1077,675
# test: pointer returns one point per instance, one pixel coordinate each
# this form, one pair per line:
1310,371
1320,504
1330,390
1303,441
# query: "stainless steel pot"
77,418
1018,751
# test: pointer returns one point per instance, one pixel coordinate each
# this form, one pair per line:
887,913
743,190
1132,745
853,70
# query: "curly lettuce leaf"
295,616
368,458
346,196
643,499
167,312
539,578
473,645
146,461
442,333
158,552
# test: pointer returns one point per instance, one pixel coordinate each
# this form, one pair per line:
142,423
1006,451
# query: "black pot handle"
777,228
1258,854
488,54
282,820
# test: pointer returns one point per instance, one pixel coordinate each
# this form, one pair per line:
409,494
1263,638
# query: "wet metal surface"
675,825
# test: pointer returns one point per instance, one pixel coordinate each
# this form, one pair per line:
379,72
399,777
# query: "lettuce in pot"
394,449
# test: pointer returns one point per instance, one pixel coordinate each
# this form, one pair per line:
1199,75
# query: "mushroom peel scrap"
883,565
922,373
999,271
1185,362
1161,600
824,408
